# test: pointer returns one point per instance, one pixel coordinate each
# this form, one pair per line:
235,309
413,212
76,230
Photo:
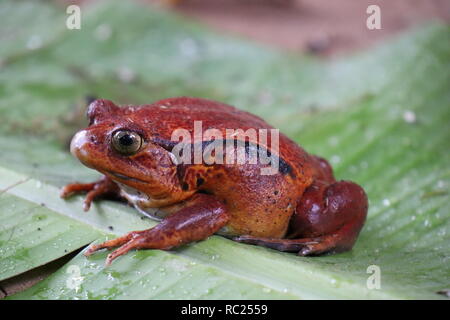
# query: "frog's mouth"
125,178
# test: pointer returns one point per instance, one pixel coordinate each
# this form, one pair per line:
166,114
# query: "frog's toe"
74,188
132,240
289,245
104,186
90,197
332,243
318,248
109,244
132,244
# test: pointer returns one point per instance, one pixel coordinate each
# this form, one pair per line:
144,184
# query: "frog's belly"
141,202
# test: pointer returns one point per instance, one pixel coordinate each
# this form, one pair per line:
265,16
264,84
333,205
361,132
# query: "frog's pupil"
126,140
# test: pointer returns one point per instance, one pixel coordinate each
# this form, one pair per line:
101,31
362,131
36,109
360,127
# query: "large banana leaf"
381,117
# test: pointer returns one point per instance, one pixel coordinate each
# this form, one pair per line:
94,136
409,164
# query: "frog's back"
181,112
165,116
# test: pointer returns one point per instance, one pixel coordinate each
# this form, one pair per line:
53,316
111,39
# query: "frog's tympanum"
300,208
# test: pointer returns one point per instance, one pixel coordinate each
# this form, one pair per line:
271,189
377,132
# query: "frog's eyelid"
126,128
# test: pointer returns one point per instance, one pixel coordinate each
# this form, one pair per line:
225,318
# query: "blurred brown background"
321,26
331,26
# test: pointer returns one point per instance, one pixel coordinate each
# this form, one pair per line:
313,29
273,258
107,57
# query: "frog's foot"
127,242
201,218
102,187
304,247
289,245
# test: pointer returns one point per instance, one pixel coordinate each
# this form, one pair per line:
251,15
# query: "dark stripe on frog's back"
284,167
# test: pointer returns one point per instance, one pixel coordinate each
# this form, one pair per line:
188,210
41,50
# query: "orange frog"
299,208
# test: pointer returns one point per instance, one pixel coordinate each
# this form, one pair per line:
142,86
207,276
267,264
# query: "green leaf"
32,235
381,117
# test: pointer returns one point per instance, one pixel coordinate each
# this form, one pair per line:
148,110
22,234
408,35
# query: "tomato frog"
300,208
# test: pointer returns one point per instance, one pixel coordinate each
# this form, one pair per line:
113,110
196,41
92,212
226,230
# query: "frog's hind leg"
202,217
102,187
328,219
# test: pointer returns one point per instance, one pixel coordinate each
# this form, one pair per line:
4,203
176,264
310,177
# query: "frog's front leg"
102,187
203,216
328,219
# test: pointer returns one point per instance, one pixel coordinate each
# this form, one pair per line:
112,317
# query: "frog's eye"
126,142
